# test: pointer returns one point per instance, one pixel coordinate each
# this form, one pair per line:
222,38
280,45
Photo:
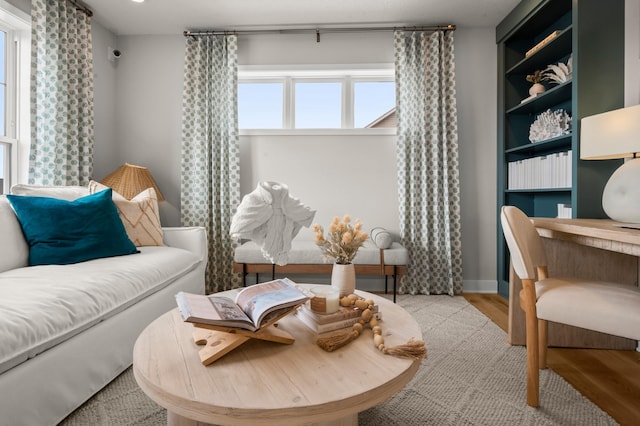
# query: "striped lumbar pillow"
140,215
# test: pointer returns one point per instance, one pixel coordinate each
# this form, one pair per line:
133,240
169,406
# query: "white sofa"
68,330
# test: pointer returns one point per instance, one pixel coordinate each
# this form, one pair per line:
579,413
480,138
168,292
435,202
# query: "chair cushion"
610,308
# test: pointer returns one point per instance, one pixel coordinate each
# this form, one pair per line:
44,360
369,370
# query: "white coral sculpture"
560,72
550,124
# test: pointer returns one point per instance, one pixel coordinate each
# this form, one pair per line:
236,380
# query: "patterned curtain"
427,148
61,94
210,189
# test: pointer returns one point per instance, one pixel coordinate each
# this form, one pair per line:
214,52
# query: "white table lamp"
611,135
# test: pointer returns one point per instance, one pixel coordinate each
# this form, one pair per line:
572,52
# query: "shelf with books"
533,148
549,53
596,85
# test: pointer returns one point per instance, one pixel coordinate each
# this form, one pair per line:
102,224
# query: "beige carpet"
470,377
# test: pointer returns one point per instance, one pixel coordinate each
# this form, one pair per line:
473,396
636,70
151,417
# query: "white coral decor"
550,124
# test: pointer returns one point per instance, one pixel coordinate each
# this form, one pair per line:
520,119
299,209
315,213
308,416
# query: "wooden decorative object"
219,341
539,46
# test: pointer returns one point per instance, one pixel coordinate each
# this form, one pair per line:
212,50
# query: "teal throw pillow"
61,232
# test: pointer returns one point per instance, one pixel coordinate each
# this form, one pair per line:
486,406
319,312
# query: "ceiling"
124,17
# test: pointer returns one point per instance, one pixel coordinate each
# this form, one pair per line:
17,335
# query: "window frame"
348,75
17,25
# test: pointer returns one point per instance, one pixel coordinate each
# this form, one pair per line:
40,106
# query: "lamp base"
621,195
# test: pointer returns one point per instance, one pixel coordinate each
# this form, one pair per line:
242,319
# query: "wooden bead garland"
414,349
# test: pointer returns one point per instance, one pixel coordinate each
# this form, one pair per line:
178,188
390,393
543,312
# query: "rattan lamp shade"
130,180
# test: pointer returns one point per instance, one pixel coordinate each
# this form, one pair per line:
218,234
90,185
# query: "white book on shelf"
569,168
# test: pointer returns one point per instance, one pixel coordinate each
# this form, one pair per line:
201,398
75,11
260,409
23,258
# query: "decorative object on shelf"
537,86
413,349
550,124
341,245
539,46
560,72
613,135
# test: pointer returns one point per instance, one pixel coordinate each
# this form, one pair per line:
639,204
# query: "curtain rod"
81,7
317,31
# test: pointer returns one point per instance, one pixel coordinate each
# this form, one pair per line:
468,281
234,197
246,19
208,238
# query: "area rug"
471,376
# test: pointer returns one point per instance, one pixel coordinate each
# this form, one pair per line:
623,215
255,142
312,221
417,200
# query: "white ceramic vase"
536,89
343,278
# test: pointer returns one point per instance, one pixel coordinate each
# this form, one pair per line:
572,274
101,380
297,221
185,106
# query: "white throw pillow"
381,238
69,193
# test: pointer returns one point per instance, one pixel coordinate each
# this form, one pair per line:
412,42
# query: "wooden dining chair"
611,308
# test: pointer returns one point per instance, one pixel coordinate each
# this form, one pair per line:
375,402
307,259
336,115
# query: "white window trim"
288,75
17,114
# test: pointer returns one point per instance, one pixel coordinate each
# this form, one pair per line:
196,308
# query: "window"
260,105
316,100
14,103
373,101
318,105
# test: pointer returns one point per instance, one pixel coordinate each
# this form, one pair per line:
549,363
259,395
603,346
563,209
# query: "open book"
253,307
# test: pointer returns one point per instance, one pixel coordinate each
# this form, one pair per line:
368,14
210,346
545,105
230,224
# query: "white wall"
105,136
332,174
476,71
148,112
632,52
148,115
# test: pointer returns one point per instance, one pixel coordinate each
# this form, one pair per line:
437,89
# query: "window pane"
3,61
372,101
3,37
260,105
318,105
4,155
2,110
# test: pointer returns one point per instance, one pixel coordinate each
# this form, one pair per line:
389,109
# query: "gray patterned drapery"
210,181
428,175
61,94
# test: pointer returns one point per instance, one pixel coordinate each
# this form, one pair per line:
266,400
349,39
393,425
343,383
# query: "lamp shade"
613,134
610,135
130,180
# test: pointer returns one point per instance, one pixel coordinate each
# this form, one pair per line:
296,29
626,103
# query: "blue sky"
318,104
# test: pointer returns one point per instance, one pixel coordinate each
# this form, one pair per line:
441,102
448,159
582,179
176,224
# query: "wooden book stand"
219,341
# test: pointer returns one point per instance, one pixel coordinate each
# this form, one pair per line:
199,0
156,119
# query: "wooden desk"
264,383
586,248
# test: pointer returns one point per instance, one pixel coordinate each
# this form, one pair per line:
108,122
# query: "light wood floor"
611,379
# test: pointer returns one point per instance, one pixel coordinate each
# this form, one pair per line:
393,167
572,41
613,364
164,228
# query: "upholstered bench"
305,258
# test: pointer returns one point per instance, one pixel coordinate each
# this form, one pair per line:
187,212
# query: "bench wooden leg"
244,275
395,277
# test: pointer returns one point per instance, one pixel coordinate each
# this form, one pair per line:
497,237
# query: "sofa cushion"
140,215
68,193
307,252
42,306
63,232
14,251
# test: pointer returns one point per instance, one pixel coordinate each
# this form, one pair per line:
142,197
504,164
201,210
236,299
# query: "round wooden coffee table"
265,383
